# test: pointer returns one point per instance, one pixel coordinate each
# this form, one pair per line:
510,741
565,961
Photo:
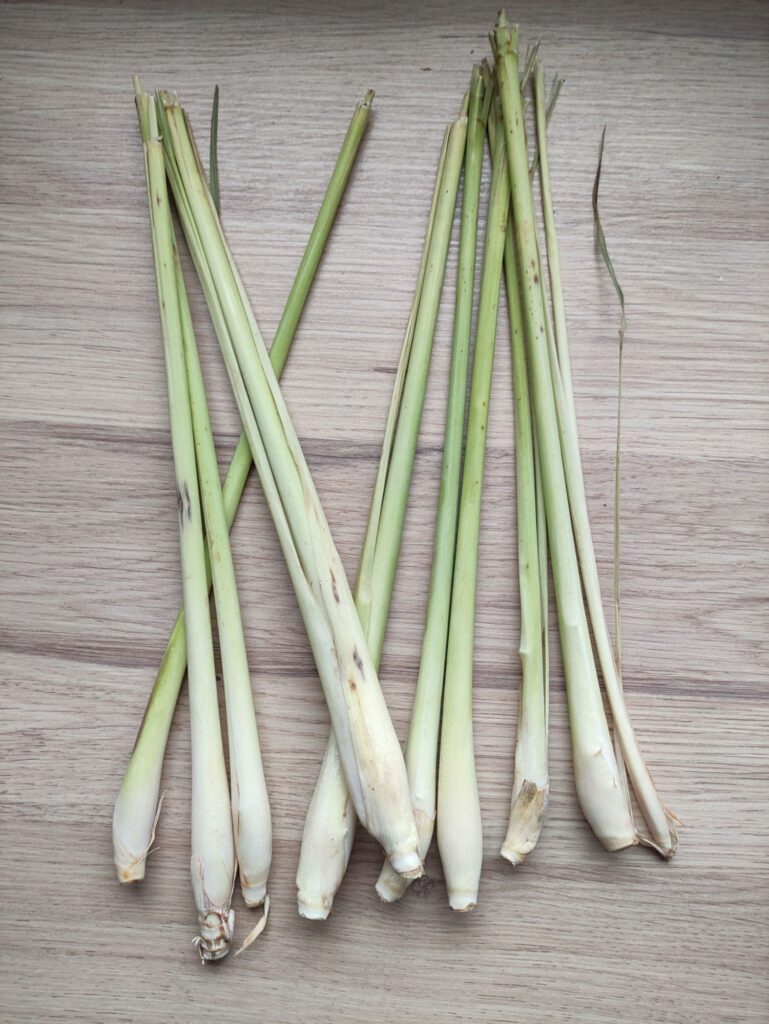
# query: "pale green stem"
531,779
248,790
597,777
663,837
140,788
424,728
460,833
369,749
213,859
329,828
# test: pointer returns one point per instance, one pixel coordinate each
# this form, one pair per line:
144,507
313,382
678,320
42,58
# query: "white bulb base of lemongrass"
253,895
134,819
391,885
329,830
460,841
602,796
213,893
527,814
252,827
254,891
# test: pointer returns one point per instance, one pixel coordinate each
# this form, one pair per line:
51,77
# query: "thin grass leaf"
213,160
600,238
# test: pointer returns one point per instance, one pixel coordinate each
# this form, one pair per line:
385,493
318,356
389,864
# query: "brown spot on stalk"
352,684
188,503
536,279
334,591
357,659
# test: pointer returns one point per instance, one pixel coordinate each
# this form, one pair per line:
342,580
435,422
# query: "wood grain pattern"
88,539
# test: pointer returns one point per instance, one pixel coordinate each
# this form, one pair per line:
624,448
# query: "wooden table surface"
88,538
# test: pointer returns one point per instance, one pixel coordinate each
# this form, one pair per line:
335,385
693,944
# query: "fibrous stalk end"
504,38
314,910
526,817
131,872
390,885
408,864
463,902
216,930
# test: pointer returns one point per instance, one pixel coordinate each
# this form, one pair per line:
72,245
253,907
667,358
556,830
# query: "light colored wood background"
88,544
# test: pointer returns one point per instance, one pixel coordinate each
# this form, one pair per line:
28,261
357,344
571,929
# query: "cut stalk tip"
463,902
526,818
313,910
407,864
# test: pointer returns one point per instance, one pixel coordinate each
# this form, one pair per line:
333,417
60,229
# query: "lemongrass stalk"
531,778
138,805
252,825
460,832
329,827
424,727
659,822
371,757
213,860
598,782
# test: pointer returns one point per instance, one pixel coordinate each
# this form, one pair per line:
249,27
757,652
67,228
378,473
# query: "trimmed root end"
216,930
513,855
390,886
253,895
407,864
132,872
313,910
463,902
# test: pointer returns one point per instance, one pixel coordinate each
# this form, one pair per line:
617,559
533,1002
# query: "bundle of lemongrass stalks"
401,800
